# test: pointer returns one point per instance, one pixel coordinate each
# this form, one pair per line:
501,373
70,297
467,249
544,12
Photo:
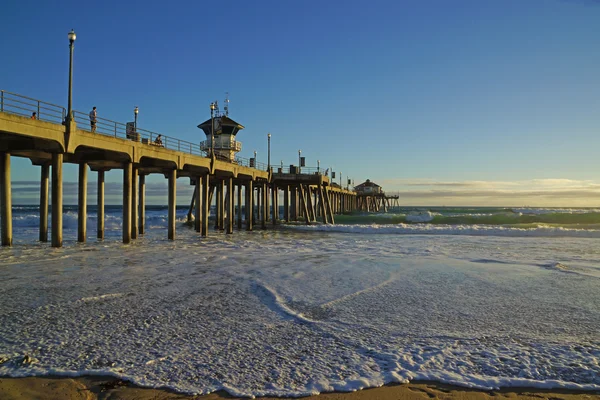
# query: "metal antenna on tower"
217,111
226,107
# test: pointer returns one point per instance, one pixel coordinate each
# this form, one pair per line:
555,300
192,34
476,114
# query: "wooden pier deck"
49,142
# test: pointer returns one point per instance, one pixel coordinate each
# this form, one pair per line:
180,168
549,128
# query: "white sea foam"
537,211
443,229
291,312
420,216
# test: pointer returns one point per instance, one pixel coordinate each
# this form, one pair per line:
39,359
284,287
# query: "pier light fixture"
135,113
213,106
318,165
72,36
299,154
269,153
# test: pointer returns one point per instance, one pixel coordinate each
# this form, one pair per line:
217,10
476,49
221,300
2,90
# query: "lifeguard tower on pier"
221,131
371,197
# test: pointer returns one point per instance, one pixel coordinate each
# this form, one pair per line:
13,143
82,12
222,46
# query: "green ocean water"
576,218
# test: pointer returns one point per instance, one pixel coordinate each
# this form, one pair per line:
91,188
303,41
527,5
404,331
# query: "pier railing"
120,130
292,169
25,106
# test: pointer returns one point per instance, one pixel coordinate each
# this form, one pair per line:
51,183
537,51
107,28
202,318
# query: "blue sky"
448,102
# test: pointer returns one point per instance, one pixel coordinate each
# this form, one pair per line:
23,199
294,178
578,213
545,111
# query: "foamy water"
305,310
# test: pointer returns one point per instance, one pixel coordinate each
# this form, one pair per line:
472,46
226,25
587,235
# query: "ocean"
477,297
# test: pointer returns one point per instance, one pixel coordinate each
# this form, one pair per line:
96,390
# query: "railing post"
178,145
38,111
115,129
2,100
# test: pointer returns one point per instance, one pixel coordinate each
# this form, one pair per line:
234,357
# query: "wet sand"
105,388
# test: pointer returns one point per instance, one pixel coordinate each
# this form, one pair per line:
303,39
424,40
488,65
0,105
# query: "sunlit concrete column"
127,172
250,205
322,204
256,210
309,204
44,180
217,204
82,203
198,204
265,206
222,204
293,206
142,205
57,200
230,214
172,202
6,199
205,203
328,203
275,207
286,203
100,205
266,202
134,203
239,203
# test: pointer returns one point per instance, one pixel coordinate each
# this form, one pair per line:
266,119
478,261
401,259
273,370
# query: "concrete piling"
6,199
57,199
44,182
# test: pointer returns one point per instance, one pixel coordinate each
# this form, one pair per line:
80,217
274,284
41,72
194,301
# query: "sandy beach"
91,388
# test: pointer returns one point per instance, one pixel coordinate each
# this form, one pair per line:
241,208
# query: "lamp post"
135,113
318,166
255,163
269,155
299,153
212,129
72,38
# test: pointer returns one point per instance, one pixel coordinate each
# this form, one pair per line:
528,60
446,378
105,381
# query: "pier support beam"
265,206
198,201
275,206
134,203
309,203
57,199
328,203
229,202
100,205
127,172
293,205
44,181
82,203
303,204
249,205
205,203
286,203
6,199
239,203
142,205
172,202
322,204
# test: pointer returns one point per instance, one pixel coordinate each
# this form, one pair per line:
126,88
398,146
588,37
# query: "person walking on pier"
93,115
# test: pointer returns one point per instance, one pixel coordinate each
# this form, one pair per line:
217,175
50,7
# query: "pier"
53,138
